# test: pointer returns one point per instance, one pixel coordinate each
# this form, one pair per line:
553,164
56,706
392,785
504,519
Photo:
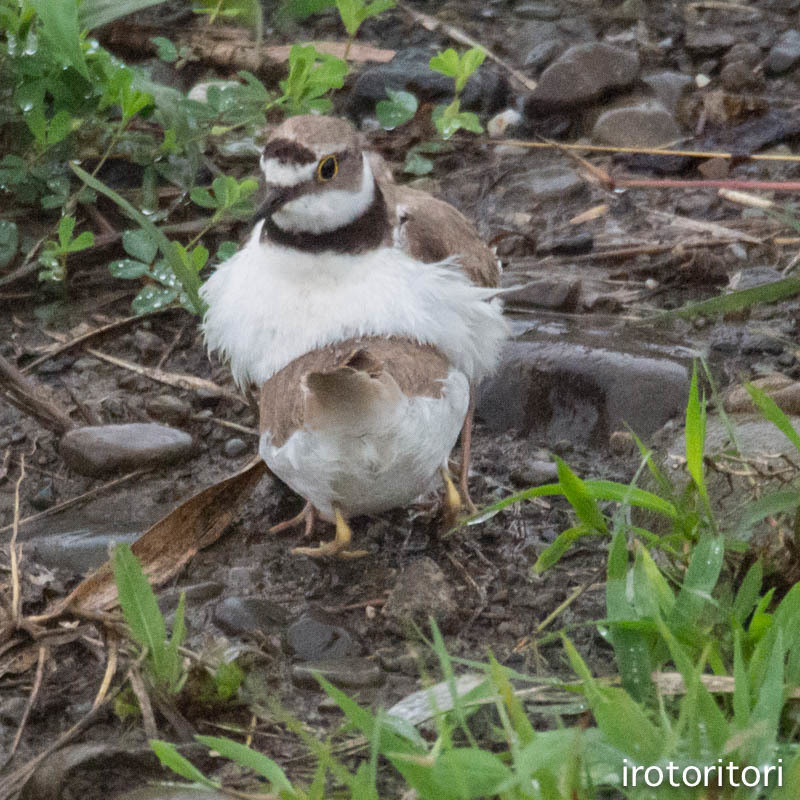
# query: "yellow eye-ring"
327,168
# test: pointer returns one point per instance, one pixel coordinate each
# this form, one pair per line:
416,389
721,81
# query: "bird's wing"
432,230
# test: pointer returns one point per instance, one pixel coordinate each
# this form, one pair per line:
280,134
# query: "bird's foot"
338,548
452,505
307,516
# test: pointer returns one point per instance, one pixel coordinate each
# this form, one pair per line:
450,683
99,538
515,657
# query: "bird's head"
318,179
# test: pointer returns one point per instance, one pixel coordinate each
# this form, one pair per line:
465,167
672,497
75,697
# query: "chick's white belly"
379,466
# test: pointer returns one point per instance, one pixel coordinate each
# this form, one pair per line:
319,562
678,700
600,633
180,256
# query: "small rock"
312,637
105,449
645,124
621,443
235,447
738,76
668,87
555,295
575,245
784,54
755,342
546,11
44,498
746,52
583,73
504,122
701,80
709,41
168,408
548,183
346,673
542,54
86,364
196,594
246,615
534,473
421,591
148,344
724,340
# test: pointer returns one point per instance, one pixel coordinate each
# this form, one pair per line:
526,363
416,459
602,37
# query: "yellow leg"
452,500
308,516
338,548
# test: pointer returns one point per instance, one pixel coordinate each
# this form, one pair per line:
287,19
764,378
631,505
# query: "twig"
32,399
111,669
16,596
172,345
148,718
37,685
226,424
79,499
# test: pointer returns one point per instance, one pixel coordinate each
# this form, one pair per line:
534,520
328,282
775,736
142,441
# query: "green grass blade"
695,435
583,503
172,759
748,593
780,502
94,13
188,278
769,408
470,773
698,584
140,608
630,495
554,552
249,758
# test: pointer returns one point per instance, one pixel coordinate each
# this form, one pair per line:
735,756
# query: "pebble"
709,41
238,616
148,344
102,450
235,447
534,473
784,54
546,11
745,52
668,87
755,342
503,123
44,498
312,637
346,673
86,364
738,76
644,124
421,591
168,408
555,295
582,74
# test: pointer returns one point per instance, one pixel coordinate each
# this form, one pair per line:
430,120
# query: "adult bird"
363,313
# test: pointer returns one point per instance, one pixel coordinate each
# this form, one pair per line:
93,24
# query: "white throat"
268,305
327,210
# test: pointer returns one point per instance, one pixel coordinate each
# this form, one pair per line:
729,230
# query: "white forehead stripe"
320,212
278,173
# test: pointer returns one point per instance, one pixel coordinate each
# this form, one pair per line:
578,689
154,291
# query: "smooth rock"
553,182
543,53
709,41
758,342
577,380
668,87
784,54
148,344
421,591
168,408
246,615
534,473
235,447
102,450
645,124
546,11
746,52
313,637
196,595
346,673
79,551
583,73
555,295
738,76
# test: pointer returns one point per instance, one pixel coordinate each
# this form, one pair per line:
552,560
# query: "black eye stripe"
287,151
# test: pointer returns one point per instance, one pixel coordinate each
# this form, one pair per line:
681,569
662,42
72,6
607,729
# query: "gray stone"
746,52
534,473
196,595
553,182
346,673
668,87
709,41
738,76
585,383
235,447
246,615
313,637
555,295
79,551
645,124
543,53
102,450
785,53
421,591
546,11
148,344
168,408
583,73
755,342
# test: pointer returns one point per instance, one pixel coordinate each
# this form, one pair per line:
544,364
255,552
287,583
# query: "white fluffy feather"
387,461
279,174
268,305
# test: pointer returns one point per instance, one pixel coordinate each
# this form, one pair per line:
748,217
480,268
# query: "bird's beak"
273,197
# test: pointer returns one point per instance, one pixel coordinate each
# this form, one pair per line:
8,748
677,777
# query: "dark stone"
313,637
784,54
246,615
44,498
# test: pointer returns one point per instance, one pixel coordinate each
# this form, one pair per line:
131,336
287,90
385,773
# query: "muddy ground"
247,592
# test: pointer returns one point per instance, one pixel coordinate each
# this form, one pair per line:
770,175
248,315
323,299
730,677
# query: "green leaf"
9,242
165,49
66,226
769,408
188,278
59,127
140,245
417,164
397,110
249,758
747,596
226,250
81,242
151,298
37,125
575,492
553,553
139,607
228,679
61,30
172,759
780,502
469,773
701,578
173,657
203,198
446,62
695,435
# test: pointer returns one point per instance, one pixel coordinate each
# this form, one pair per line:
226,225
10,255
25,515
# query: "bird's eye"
327,168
